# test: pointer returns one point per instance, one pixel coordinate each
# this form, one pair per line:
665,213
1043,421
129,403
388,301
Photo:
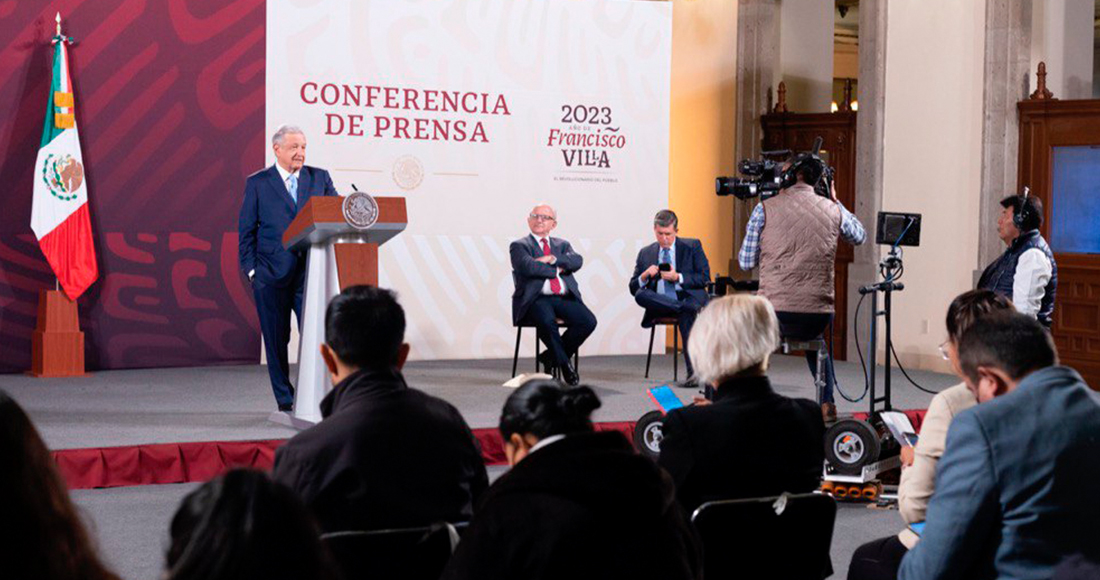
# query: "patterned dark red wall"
170,105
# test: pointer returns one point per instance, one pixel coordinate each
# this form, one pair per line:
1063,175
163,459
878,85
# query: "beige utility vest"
798,250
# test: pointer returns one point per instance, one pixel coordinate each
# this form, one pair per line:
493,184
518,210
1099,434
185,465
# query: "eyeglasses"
943,350
542,218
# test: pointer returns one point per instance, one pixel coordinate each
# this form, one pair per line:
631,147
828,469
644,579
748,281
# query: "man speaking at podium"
272,197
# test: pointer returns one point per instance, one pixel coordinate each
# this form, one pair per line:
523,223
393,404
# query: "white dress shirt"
1033,272
285,175
544,442
557,273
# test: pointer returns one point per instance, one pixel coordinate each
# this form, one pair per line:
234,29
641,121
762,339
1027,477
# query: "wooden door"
797,131
1059,141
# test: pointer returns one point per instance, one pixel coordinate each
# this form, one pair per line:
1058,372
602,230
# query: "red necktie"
555,285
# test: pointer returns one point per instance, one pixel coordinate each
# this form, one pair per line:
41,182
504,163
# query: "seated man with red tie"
546,290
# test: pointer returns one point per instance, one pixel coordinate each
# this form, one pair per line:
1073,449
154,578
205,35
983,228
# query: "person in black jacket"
576,503
751,441
384,455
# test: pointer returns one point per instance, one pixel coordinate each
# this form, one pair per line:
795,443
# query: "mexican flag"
59,216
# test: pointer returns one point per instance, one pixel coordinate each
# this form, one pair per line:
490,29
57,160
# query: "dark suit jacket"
752,442
583,507
266,212
529,274
1016,487
384,456
691,262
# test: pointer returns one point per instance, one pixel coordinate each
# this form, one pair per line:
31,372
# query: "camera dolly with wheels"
859,451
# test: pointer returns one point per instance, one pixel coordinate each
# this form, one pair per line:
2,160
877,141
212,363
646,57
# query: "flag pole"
60,37
56,280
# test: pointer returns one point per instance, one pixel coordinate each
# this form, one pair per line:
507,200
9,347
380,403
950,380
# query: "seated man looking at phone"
670,279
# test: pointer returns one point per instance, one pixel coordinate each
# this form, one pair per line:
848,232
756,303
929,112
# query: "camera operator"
796,253
1026,273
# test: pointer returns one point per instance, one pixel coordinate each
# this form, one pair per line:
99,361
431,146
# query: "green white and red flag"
59,214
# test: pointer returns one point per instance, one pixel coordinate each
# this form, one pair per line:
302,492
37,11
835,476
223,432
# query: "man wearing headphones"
1026,273
796,253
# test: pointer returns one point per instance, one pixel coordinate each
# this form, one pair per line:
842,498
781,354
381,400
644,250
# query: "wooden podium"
339,255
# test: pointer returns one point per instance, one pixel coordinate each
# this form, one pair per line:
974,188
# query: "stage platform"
135,427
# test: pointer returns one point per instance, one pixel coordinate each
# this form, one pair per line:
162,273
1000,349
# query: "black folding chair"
538,341
674,322
774,537
404,554
538,351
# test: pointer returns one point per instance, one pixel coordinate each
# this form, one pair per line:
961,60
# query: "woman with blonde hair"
751,442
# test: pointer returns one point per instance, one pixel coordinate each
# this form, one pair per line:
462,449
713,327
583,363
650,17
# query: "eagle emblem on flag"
63,175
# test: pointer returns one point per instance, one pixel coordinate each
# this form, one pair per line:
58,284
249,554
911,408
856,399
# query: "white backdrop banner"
474,111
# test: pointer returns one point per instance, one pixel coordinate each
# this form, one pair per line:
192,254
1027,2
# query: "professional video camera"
777,170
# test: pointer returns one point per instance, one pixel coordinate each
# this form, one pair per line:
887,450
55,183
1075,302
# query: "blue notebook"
664,398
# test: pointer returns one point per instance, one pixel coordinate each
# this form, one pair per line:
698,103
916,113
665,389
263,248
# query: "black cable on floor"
862,364
911,381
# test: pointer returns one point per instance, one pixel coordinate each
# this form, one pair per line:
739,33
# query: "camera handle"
891,268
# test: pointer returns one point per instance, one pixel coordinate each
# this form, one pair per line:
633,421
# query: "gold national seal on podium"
360,210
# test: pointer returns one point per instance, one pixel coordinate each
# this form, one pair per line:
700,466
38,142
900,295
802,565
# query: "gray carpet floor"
131,526
131,407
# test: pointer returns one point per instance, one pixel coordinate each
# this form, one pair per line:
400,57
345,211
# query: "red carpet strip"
161,463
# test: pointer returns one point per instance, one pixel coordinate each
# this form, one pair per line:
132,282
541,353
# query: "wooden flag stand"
57,344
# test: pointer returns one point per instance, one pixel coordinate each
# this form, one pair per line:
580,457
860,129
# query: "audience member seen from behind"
704,446
384,455
41,535
576,503
1016,486
881,558
243,526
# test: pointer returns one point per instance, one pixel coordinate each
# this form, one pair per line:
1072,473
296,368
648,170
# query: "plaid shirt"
851,231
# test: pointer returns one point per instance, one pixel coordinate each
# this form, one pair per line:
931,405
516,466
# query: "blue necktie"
292,187
668,288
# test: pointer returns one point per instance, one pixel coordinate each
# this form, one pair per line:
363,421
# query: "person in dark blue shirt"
272,197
